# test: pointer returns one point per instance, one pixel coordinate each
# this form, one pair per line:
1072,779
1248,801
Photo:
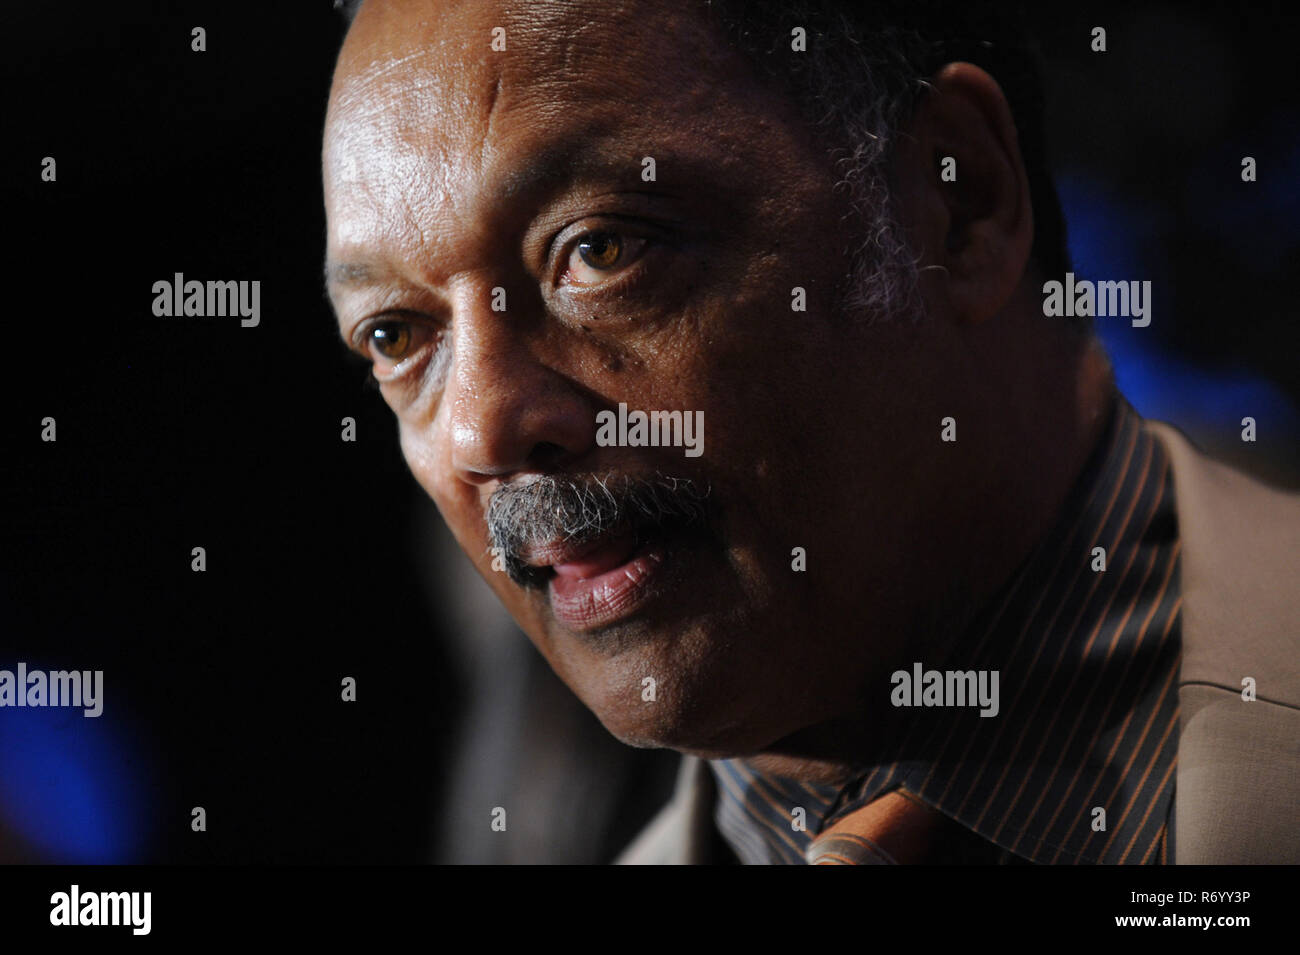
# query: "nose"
510,412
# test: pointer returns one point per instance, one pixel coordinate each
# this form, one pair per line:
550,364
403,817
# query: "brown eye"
601,250
390,339
598,254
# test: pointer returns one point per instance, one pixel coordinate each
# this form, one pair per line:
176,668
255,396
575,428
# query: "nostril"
547,455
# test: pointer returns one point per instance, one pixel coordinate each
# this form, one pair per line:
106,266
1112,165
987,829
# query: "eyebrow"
581,157
348,273
563,163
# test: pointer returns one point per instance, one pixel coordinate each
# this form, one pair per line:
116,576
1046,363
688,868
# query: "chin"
690,731
711,699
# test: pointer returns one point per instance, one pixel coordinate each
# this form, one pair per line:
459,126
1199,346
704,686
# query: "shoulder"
1240,574
1239,682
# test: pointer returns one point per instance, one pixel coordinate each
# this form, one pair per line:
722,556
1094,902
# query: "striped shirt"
1078,764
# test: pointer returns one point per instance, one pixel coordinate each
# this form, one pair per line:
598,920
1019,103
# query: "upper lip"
556,552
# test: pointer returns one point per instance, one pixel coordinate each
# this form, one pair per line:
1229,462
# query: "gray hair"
553,509
864,70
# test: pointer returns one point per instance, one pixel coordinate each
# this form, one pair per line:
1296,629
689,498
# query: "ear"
978,227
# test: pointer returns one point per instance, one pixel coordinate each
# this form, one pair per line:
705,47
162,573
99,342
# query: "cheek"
421,453
429,460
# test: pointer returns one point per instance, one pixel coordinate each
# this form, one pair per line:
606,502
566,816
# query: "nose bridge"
509,409
486,342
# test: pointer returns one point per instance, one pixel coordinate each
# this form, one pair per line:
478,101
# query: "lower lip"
589,603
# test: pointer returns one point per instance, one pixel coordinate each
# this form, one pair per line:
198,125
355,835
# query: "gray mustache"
576,510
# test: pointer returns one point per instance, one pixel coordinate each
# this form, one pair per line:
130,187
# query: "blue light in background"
68,785
1113,239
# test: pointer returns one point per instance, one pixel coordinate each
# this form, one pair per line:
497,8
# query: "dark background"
222,688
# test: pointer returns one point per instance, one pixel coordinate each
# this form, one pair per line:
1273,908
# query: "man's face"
459,178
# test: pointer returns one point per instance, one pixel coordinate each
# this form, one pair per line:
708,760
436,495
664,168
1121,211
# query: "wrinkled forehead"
422,96
460,53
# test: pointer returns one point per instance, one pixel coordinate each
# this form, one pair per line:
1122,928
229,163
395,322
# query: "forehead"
428,123
434,60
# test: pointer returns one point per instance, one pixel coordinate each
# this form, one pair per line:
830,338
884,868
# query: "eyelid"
419,324
619,225
362,330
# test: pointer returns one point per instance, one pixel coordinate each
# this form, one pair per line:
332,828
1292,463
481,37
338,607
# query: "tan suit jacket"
1237,791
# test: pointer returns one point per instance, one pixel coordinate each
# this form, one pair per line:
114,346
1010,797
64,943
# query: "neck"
1032,451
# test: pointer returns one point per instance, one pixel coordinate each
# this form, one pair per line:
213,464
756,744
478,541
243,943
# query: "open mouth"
600,582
